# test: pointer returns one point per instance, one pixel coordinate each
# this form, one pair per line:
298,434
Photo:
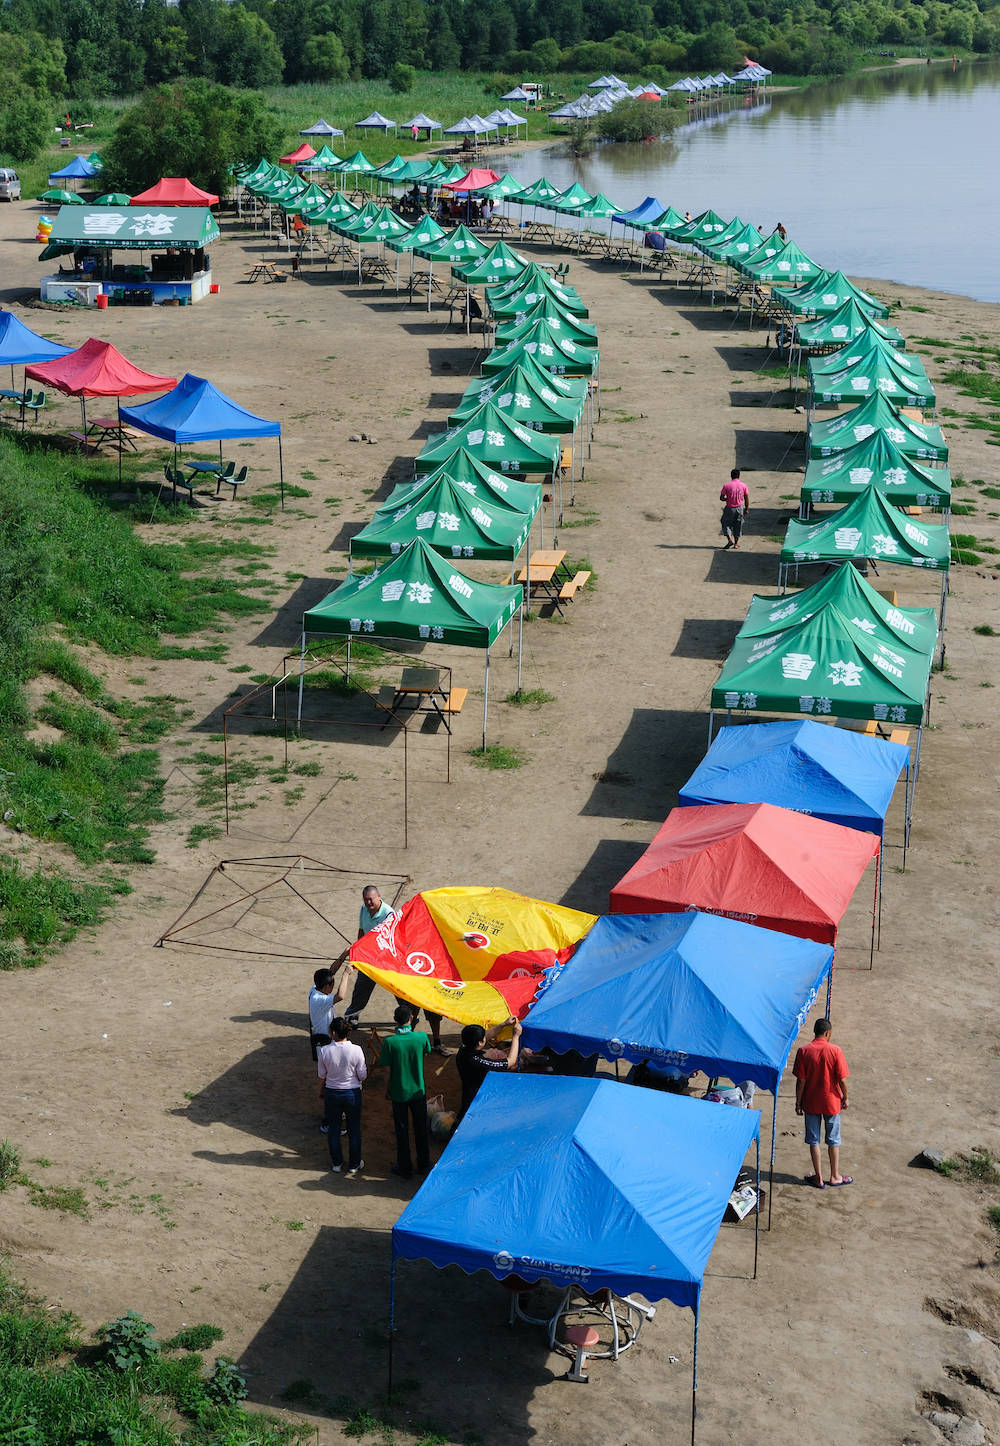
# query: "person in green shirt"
402,1053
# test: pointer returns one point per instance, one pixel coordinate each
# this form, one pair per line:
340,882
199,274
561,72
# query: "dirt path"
175,1085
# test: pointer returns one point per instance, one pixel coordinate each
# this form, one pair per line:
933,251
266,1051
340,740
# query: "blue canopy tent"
78,169
688,991
20,346
581,1182
196,412
831,773
640,216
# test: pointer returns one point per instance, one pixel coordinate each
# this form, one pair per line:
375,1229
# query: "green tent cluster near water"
836,649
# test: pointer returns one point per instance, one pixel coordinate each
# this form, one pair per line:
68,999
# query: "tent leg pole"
711,725
694,1372
520,642
281,473
878,935
406,789
770,1174
486,694
756,1213
871,956
302,679
392,1325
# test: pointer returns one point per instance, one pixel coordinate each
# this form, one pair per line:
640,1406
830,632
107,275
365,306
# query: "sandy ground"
175,1085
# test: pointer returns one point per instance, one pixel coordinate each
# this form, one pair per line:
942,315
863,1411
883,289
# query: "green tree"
402,78
25,119
191,128
324,58
246,52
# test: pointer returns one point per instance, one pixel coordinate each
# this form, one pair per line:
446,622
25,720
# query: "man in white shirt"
343,1069
323,1005
373,912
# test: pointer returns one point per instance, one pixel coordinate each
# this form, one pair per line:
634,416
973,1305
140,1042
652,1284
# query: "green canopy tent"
325,159
417,596
519,297
536,400
921,440
708,244
496,440
555,317
843,327
356,165
700,228
846,591
598,208
454,248
132,228
425,233
569,388
337,208
551,350
501,189
869,530
537,194
499,263
825,295
875,459
447,519
872,365
413,171
821,661
385,224
789,264
477,480
569,202
307,203
345,228
731,248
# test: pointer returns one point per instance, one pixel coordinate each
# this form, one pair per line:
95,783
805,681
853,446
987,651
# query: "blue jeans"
338,1105
829,1123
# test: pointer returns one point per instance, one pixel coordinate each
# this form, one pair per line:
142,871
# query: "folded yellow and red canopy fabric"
475,954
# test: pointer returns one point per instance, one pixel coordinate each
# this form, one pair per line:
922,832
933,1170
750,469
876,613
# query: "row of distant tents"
609,91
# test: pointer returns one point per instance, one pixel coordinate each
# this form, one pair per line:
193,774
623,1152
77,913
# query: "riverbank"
191,1123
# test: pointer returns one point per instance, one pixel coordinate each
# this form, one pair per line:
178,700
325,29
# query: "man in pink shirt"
735,498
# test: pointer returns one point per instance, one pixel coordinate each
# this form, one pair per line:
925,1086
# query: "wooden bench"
569,589
86,442
566,459
889,593
454,701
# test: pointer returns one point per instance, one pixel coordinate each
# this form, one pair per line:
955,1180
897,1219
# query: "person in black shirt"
477,1057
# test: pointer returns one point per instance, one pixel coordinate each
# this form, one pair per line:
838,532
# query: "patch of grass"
295,1224
993,492
194,1338
498,757
199,832
529,696
978,1166
41,910
985,631
10,1164
70,1199
583,517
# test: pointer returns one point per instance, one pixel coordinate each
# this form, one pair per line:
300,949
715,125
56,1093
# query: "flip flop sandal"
847,1180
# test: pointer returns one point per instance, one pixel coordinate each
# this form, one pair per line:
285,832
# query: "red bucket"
101,301
214,287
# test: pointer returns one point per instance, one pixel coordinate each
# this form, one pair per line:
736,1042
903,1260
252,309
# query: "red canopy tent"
97,369
751,861
475,180
305,152
174,191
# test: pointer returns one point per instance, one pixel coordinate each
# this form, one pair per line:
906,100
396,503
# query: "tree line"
119,47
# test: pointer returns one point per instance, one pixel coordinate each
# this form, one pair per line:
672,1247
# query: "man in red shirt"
735,496
821,1072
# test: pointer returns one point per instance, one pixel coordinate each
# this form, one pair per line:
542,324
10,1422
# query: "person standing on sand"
821,1072
735,497
342,1070
402,1053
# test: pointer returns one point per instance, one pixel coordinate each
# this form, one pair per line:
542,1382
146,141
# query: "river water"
885,175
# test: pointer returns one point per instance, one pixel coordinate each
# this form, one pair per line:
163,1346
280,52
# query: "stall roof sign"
185,227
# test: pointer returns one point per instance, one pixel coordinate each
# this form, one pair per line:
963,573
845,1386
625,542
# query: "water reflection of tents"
607,1189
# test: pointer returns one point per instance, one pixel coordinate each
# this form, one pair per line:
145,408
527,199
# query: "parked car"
10,185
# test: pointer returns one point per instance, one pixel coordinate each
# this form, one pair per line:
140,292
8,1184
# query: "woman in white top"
343,1069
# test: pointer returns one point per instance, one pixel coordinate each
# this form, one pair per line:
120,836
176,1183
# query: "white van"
10,185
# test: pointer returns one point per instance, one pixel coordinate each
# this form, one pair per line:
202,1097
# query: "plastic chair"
624,1315
33,403
232,478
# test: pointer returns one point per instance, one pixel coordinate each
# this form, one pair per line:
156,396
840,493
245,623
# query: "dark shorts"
732,521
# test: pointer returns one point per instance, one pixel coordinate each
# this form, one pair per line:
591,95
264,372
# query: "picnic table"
106,430
544,575
376,268
420,690
619,253
267,269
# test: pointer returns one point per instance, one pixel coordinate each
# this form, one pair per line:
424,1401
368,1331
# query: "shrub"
129,1342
